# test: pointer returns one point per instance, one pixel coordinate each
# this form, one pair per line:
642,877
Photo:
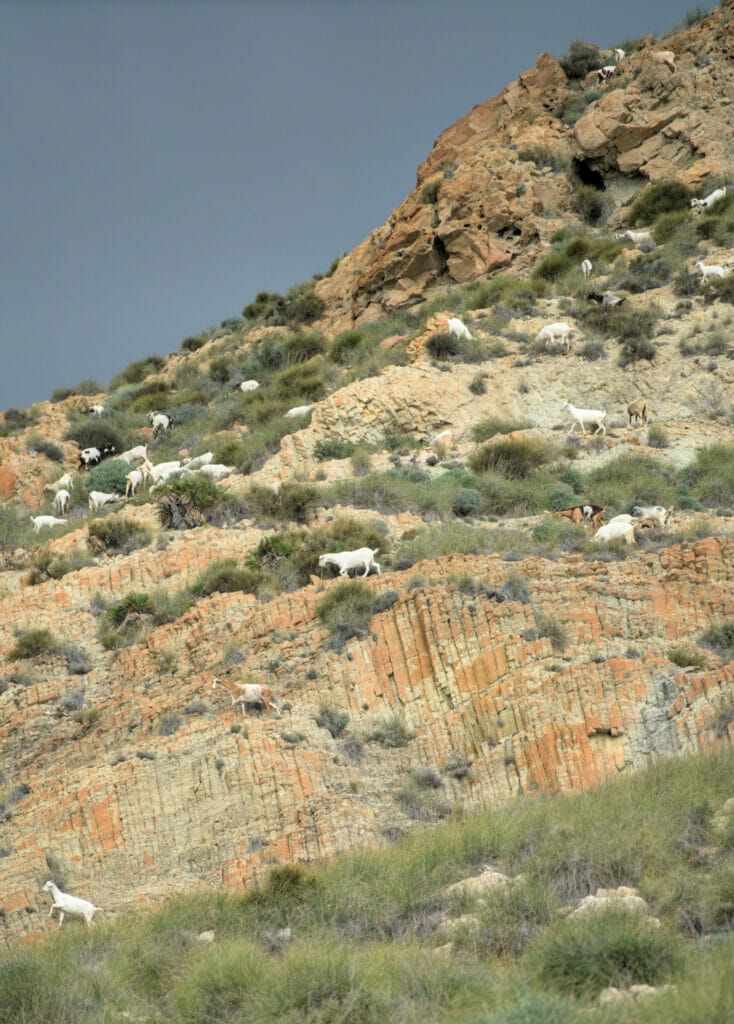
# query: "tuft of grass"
613,947
332,718
720,636
390,731
515,459
685,657
710,477
118,533
346,610
492,425
33,644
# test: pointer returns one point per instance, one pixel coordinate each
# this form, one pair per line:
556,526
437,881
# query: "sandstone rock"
479,885
623,898
8,480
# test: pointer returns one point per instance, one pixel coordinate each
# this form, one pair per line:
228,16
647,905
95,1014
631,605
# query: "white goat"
63,481
586,267
445,437
346,560
247,693
96,410
657,513
605,73
159,421
249,385
584,416
67,904
39,522
134,479
163,470
198,461
619,53
137,454
635,236
550,332
300,410
710,270
61,502
458,329
98,500
215,471
623,517
710,199
613,531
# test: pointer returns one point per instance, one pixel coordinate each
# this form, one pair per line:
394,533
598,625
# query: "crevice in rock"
438,255
588,175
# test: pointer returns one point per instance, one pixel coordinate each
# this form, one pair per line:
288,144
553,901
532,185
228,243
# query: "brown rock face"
8,480
479,206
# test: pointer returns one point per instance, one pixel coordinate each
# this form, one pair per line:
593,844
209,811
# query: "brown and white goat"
246,693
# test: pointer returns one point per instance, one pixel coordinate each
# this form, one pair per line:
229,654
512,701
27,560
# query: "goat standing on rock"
247,693
346,560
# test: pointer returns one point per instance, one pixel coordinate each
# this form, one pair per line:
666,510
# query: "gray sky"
164,160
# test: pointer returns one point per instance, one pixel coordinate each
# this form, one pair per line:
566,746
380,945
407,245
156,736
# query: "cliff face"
135,815
493,209
134,780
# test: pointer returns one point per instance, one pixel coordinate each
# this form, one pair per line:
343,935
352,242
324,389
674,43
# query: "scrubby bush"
685,657
137,371
467,502
227,575
614,947
299,348
391,731
657,436
631,480
33,644
487,428
478,384
543,156
429,192
667,225
710,477
443,346
346,610
303,305
18,419
581,58
190,501
47,448
327,448
662,197
193,344
720,636
97,434
592,205
305,380
118,533
109,476
332,718
515,459
344,345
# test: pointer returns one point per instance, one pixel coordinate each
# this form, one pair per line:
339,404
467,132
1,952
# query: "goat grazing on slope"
550,332
458,329
579,513
67,904
61,502
638,410
613,531
98,500
709,200
346,560
586,416
247,693
63,481
586,267
39,522
159,421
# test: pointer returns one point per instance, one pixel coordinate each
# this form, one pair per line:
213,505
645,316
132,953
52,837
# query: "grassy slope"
366,927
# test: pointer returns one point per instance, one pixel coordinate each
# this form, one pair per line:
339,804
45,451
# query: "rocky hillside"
500,652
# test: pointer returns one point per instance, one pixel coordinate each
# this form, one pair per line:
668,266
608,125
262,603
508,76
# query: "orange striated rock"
133,815
8,480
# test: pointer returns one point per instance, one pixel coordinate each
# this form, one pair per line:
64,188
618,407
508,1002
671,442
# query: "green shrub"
264,305
303,305
97,434
344,345
716,223
299,348
657,436
710,477
188,502
686,284
512,458
720,636
685,656
169,723
18,419
631,480
566,255
592,351
47,448
137,371
193,344
575,104
662,197
443,346
332,718
478,385
33,644
227,575
721,288
487,428
591,204
117,533
221,371
646,272
667,225
467,502
305,380
346,610
391,731
327,448
429,192
614,947
109,476
581,58
547,625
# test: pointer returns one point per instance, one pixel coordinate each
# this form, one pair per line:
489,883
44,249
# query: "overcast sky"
164,160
